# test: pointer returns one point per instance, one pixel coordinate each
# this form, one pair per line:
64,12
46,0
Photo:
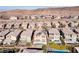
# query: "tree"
62,40
70,48
53,26
28,44
44,47
56,46
69,24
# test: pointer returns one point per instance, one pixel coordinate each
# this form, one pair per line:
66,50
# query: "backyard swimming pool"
58,51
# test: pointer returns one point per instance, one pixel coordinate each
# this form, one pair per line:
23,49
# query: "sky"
35,4
27,7
21,7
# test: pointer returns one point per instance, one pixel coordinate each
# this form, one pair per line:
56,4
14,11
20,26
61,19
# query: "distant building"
73,24
39,25
24,25
63,24
9,25
31,25
13,18
17,25
47,25
58,17
55,24
76,17
1,26
4,17
34,17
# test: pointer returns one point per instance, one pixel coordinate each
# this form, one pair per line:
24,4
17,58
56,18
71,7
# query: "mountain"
44,11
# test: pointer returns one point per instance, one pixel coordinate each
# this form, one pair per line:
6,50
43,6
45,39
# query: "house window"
37,40
43,40
52,37
70,39
0,36
56,40
70,35
77,39
77,35
51,33
43,36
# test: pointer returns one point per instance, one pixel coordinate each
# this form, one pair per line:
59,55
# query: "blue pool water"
58,51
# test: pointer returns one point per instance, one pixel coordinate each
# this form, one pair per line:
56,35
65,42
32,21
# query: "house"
48,17
26,16
66,17
3,35
24,25
13,18
54,36
5,17
47,25
34,17
1,26
55,24
39,25
70,24
23,17
40,37
9,25
62,24
73,23
76,49
76,17
17,25
76,31
12,37
42,16
76,23
39,17
26,37
58,17
70,36
31,25
52,17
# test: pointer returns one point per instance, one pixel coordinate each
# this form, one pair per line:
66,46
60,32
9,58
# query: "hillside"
44,11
